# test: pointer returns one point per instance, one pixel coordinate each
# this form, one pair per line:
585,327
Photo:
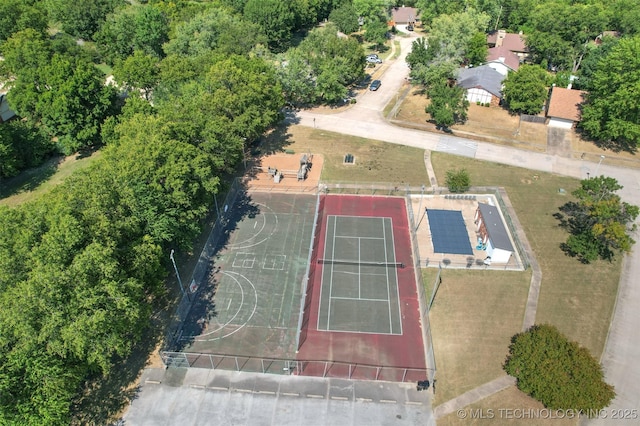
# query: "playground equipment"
305,165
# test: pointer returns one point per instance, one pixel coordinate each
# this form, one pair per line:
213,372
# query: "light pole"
598,166
420,207
178,275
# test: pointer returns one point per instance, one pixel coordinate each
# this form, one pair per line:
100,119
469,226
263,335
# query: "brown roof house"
503,60
404,15
564,107
510,41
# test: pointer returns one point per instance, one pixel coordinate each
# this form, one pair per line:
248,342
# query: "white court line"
326,236
386,258
393,244
359,270
359,238
360,298
333,256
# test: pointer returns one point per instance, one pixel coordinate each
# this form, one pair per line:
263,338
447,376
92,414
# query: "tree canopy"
599,223
525,91
322,68
559,373
611,114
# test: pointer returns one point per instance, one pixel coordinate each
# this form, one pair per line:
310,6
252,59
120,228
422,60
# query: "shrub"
458,180
557,372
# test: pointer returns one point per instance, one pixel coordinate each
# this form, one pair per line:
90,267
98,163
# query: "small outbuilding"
493,233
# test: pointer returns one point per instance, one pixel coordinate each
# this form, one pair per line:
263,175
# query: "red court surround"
400,351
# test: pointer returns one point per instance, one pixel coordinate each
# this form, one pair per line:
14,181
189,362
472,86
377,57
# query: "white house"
493,233
483,84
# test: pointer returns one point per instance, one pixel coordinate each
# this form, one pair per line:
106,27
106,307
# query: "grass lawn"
500,409
473,317
33,183
374,161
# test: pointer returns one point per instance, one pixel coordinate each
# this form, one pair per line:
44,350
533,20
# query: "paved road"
622,351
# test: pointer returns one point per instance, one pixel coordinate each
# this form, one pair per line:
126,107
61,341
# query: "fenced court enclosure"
308,284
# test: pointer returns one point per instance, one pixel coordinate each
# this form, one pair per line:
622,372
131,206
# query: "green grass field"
33,183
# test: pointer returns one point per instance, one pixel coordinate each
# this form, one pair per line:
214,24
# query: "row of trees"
81,270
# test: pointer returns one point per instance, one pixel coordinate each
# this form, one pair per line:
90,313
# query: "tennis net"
361,262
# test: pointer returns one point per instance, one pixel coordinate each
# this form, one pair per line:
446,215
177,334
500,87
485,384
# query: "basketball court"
250,303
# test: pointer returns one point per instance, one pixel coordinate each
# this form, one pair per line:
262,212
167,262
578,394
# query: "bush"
458,180
557,372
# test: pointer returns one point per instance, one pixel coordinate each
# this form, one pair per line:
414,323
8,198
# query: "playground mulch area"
288,165
250,304
362,315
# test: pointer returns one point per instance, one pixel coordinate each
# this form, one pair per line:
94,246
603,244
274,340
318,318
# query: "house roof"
482,77
504,55
513,42
403,15
494,226
565,103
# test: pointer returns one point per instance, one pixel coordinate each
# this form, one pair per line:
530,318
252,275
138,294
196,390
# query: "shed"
564,107
493,233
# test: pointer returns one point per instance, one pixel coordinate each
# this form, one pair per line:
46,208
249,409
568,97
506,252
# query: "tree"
611,113
600,224
557,372
448,104
477,49
16,15
215,30
372,10
276,18
132,28
22,145
450,35
139,71
525,91
321,68
458,180
419,54
82,19
376,32
345,18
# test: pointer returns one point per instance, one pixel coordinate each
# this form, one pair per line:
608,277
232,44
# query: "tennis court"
361,316
359,280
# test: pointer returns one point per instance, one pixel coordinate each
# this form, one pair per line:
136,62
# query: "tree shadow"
30,179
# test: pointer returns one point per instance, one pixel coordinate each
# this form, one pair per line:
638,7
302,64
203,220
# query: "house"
404,15
563,109
492,233
512,42
503,60
483,84
6,113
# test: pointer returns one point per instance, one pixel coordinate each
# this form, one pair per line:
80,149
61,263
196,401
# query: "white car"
373,59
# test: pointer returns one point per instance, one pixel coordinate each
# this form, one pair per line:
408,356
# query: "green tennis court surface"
359,277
